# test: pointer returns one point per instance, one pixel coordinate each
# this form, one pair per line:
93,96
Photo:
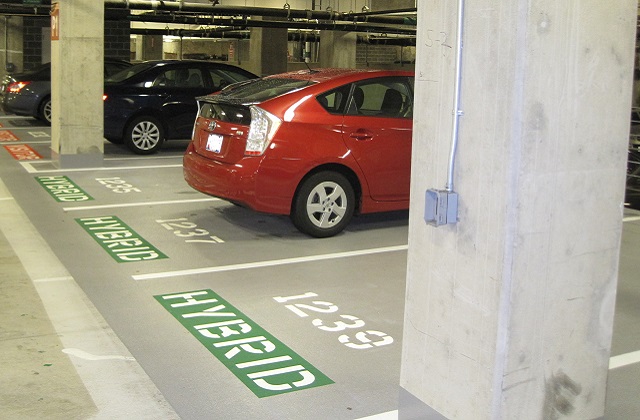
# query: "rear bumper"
21,104
235,182
114,123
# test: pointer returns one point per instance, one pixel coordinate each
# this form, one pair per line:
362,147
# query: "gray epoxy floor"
314,297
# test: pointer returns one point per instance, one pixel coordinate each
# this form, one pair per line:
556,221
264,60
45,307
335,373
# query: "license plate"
214,143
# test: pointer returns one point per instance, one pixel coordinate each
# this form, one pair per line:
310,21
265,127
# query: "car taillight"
104,97
16,87
261,131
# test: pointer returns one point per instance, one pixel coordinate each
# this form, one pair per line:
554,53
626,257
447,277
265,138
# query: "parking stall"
228,311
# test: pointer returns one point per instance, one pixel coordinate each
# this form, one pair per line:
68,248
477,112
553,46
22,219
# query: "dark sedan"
154,101
29,93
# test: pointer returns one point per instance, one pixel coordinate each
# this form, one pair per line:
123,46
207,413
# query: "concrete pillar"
268,51
77,57
509,311
337,49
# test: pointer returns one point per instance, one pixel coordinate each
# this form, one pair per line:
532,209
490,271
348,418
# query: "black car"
29,93
153,101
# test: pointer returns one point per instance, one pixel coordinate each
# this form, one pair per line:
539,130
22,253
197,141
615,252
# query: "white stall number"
183,228
118,185
361,340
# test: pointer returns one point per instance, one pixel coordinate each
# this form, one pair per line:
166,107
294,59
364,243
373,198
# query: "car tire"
44,110
144,135
323,205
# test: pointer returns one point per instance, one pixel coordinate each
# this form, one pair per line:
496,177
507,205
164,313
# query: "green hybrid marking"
119,240
63,189
262,362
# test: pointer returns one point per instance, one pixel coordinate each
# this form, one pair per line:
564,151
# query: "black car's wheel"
324,204
44,110
144,135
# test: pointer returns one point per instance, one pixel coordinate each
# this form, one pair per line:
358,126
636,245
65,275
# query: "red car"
318,145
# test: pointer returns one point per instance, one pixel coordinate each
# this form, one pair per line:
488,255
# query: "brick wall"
117,35
384,55
116,40
32,40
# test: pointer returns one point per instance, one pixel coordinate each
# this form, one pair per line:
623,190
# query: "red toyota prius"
318,145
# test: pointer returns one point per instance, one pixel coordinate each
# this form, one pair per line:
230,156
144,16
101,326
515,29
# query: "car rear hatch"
232,124
221,128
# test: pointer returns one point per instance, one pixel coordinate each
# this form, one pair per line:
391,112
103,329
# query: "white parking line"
390,415
30,168
84,355
37,127
146,203
624,360
146,158
270,263
631,219
53,279
21,142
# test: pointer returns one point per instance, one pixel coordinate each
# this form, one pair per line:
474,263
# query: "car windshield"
129,72
260,90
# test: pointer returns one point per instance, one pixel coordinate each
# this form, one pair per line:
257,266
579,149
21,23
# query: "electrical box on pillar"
441,206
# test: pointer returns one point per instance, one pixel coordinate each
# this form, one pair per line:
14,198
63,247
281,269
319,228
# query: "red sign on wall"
55,22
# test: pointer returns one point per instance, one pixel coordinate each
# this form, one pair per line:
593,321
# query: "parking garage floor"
126,294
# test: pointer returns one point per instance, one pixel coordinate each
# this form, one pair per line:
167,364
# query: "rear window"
129,72
261,90
235,114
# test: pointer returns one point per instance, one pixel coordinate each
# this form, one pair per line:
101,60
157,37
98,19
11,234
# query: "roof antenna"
311,71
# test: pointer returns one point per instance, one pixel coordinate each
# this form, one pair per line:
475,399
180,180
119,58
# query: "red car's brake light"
261,131
16,87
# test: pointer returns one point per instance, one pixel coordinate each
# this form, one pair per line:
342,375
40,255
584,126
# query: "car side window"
389,97
113,68
218,80
335,101
189,78
184,78
222,78
165,79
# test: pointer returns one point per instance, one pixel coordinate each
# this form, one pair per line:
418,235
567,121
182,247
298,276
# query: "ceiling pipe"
241,23
384,12
379,17
21,10
230,33
288,13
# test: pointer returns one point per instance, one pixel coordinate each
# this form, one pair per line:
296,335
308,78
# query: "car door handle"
361,135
